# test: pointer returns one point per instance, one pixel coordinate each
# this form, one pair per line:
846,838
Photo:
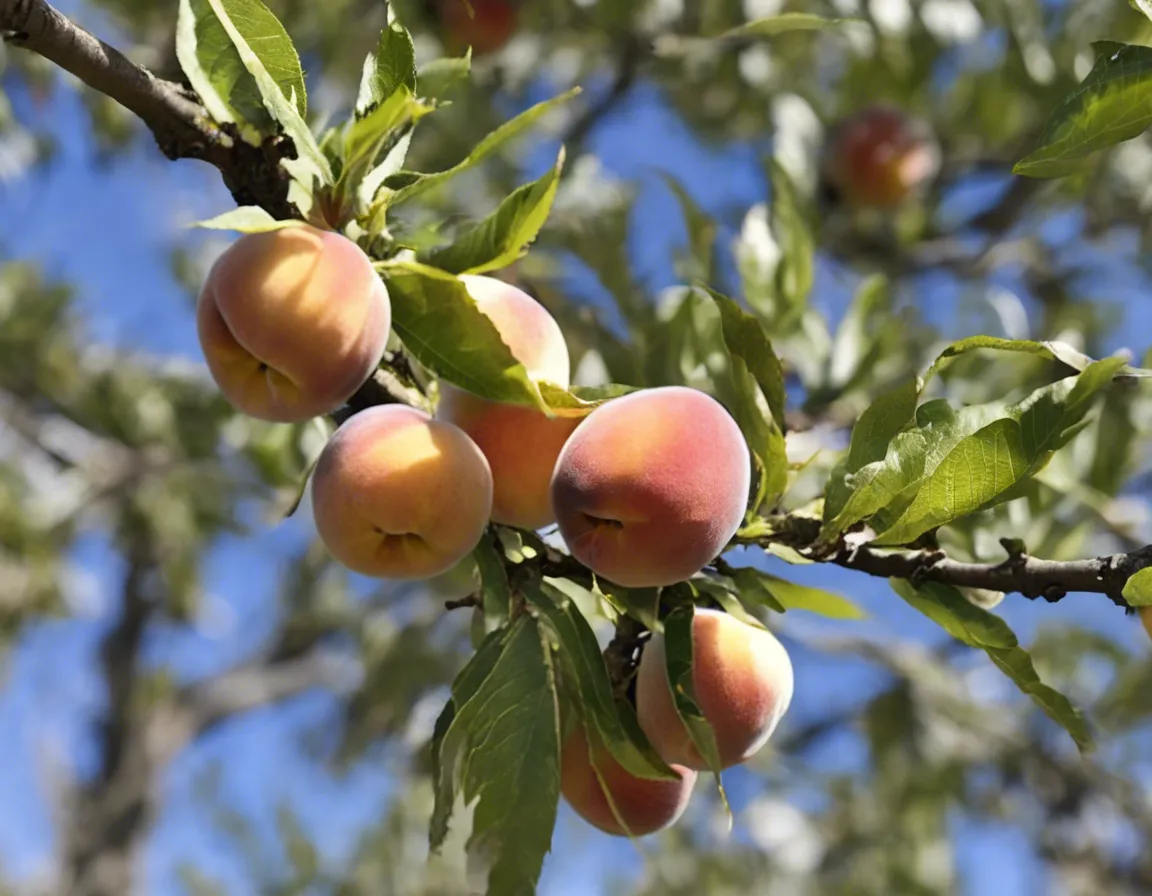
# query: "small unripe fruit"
645,805
292,322
879,157
521,443
652,486
742,679
399,495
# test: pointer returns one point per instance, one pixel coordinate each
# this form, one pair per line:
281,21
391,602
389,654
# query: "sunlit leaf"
505,235
1111,105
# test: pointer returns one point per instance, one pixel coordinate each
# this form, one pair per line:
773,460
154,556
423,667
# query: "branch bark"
1030,576
181,125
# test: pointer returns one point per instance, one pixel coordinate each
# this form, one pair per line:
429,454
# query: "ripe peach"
1146,618
520,443
879,157
645,805
486,29
742,678
292,322
399,495
651,486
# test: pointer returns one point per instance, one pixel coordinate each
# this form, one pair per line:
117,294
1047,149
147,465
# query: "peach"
292,322
644,805
879,157
399,495
520,443
1146,618
742,679
485,29
652,486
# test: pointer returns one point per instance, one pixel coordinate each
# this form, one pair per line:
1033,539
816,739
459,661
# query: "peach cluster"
742,683
647,489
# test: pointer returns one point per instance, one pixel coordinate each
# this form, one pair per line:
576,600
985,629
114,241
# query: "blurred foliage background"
195,700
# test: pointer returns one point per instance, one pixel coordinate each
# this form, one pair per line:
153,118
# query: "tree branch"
181,125
251,686
1019,573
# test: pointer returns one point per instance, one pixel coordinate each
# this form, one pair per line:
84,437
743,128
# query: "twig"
1020,573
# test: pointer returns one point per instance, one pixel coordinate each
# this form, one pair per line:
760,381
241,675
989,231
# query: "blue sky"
109,232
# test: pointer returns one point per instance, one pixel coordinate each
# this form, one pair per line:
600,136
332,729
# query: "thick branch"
249,687
180,124
1020,573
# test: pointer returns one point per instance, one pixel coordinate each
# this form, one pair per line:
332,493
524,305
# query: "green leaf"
413,184
702,232
781,595
755,369
724,592
501,750
248,219
754,587
678,662
244,22
367,135
216,68
445,331
1111,105
879,424
439,76
390,66
782,24
1052,350
931,475
795,272
642,604
966,622
580,401
613,720
464,688
958,616
495,591
505,235
1138,589
747,339
982,468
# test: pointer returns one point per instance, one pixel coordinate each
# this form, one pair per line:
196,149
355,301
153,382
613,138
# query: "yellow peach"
742,679
644,805
520,443
399,495
292,322
652,486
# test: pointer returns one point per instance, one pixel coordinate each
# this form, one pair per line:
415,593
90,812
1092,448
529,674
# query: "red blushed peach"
742,678
520,443
643,805
399,495
292,322
485,29
652,486
880,157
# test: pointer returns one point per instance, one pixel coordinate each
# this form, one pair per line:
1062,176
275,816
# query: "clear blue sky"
109,231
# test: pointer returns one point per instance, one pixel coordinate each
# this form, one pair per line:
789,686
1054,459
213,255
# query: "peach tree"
625,649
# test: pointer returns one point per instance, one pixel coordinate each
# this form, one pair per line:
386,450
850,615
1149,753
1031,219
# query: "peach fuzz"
742,678
399,495
520,443
292,322
645,805
652,486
